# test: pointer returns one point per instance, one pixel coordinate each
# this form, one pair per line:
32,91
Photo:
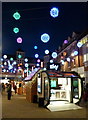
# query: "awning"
30,76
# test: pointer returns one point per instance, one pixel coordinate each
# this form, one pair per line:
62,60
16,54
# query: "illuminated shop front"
58,86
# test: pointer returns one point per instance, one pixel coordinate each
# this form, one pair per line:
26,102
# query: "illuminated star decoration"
54,12
45,38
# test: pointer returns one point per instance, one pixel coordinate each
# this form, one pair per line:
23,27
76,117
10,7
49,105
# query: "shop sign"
53,66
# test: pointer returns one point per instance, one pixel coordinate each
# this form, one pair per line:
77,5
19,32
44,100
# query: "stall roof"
30,76
62,74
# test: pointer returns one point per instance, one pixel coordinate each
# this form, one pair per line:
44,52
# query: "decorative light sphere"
11,59
5,63
51,61
79,44
37,65
45,38
19,40
75,52
19,56
16,15
54,12
25,71
36,55
4,56
46,51
35,47
62,61
26,60
15,30
65,41
68,59
10,67
26,64
38,60
54,54
14,62
1,59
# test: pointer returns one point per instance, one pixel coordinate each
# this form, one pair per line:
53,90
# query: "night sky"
36,20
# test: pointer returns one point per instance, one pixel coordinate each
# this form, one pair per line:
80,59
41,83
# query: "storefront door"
46,91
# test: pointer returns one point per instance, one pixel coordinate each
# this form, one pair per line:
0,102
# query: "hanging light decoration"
45,38
54,12
54,54
4,56
15,30
79,44
65,41
26,60
35,47
19,40
46,51
36,55
16,15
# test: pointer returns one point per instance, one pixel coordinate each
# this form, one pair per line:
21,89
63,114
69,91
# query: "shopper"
9,91
15,88
85,94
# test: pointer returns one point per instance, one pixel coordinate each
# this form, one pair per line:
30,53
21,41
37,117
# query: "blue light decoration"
45,37
35,47
68,59
26,64
51,61
75,52
54,12
26,60
36,55
10,67
54,54
79,44
46,51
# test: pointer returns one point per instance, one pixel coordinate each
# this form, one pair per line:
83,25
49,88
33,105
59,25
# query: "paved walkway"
19,107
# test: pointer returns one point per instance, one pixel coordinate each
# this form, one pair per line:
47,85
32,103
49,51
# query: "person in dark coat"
9,91
15,88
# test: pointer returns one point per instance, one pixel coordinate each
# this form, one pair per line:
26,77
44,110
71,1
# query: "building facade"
73,55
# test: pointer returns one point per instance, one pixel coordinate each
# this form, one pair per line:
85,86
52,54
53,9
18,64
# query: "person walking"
9,91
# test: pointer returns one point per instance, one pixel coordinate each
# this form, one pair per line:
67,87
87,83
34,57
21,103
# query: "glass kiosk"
58,86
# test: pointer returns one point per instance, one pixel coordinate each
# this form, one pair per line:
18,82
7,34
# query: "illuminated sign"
53,66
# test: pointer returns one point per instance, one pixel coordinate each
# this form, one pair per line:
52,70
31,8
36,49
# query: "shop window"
75,88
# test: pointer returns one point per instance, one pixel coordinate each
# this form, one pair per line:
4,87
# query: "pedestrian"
15,88
9,91
85,94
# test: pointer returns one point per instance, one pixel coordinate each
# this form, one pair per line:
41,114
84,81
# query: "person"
9,91
3,88
15,88
85,94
